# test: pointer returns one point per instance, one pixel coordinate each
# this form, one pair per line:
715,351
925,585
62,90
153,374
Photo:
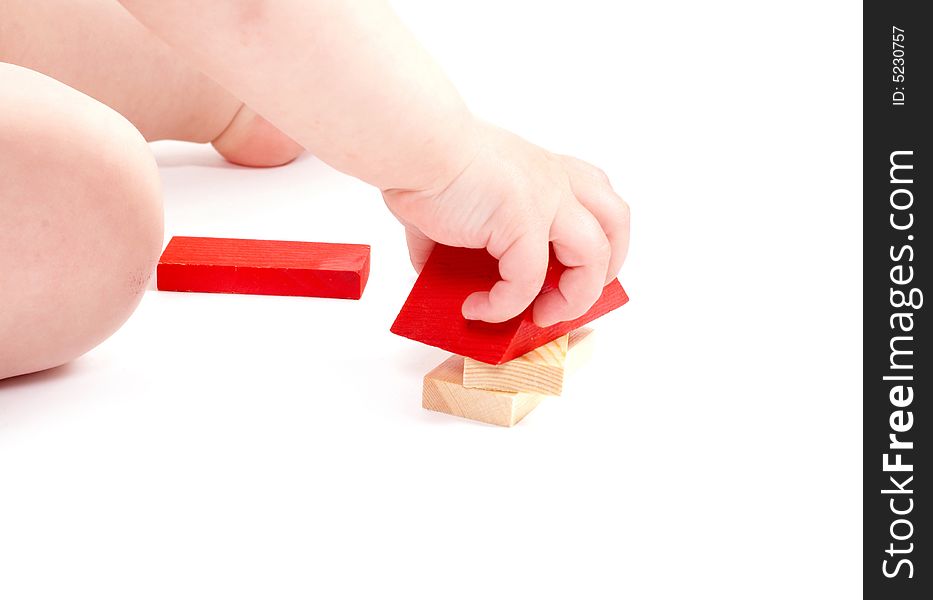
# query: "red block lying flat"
193,264
432,313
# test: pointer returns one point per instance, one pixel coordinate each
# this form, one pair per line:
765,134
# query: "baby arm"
348,82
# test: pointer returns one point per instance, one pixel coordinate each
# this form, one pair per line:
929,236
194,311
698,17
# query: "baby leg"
80,221
97,47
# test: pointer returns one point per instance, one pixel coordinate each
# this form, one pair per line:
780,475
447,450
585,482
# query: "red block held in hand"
432,314
197,264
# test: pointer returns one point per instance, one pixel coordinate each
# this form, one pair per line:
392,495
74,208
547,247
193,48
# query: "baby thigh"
80,221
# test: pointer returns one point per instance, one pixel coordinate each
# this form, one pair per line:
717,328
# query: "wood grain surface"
541,371
444,391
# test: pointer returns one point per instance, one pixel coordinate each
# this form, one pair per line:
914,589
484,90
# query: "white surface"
258,447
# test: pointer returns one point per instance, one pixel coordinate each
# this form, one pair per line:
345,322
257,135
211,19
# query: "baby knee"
81,207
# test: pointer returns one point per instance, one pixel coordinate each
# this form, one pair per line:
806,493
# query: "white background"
258,447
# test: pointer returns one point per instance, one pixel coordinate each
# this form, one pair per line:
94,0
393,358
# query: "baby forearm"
344,79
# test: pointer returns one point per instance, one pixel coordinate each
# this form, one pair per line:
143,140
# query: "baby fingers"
522,267
581,245
594,192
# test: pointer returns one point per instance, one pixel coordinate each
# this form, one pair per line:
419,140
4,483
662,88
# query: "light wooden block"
540,371
579,349
444,392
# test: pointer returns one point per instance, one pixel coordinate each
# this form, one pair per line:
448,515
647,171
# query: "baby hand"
512,199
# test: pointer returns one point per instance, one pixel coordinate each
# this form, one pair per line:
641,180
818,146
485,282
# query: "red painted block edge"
432,313
270,267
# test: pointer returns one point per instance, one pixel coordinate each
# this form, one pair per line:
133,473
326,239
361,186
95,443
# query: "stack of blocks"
503,394
500,371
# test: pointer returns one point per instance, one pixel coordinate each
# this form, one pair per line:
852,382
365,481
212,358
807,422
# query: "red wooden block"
432,313
197,264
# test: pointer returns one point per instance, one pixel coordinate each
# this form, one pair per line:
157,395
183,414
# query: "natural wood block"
195,264
432,313
580,349
444,392
540,371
